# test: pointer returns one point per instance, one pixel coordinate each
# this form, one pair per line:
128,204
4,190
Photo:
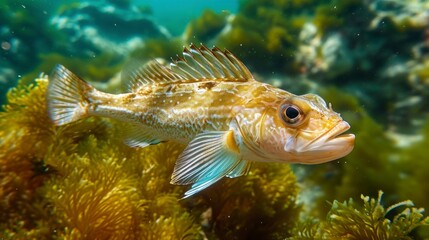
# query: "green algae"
376,162
99,68
206,27
348,220
157,48
80,181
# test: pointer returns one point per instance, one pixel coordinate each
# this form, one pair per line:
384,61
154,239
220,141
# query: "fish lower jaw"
333,145
335,136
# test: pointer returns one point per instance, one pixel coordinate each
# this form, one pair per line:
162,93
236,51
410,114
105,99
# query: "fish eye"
291,114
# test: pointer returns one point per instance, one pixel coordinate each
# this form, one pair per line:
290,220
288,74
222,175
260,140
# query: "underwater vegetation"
35,35
80,181
354,44
206,27
18,29
348,220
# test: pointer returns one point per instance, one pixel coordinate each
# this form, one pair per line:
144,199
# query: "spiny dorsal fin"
196,64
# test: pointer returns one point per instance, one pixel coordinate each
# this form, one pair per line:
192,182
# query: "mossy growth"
80,181
99,69
339,13
76,182
348,220
376,162
414,167
364,160
157,48
266,30
240,204
206,27
270,30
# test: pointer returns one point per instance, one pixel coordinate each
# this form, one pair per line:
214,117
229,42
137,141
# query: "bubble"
5,45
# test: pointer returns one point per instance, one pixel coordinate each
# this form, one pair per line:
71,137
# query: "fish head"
295,129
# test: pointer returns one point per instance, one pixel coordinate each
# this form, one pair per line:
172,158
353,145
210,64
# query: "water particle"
5,45
23,6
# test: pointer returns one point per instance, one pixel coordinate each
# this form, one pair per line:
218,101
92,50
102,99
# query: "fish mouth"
332,145
337,133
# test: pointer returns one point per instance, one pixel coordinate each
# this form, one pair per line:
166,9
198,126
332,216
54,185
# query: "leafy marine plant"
399,170
67,183
266,30
100,68
260,205
348,220
412,161
206,27
81,181
359,172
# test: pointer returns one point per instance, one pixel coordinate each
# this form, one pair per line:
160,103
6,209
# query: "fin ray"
241,169
67,96
196,64
206,160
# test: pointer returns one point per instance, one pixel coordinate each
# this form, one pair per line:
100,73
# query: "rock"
93,27
405,14
329,55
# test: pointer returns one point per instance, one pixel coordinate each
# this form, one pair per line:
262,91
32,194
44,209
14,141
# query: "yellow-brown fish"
210,101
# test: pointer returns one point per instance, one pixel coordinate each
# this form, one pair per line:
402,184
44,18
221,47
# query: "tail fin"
67,96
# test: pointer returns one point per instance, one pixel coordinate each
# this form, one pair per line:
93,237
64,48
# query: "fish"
208,100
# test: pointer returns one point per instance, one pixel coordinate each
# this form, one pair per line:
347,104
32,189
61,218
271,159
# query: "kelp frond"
95,200
347,220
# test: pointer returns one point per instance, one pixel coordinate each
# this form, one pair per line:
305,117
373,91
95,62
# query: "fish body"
210,101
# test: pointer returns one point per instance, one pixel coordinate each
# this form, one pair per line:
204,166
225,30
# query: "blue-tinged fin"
241,169
67,96
209,157
197,64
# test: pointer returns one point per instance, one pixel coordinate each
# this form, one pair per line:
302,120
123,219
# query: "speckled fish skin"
209,100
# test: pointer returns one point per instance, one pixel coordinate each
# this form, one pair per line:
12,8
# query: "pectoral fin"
207,158
241,169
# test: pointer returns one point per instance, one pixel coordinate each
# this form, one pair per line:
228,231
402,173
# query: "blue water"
31,29
175,15
369,58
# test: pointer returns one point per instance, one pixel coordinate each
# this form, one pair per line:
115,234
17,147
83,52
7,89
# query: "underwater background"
369,58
